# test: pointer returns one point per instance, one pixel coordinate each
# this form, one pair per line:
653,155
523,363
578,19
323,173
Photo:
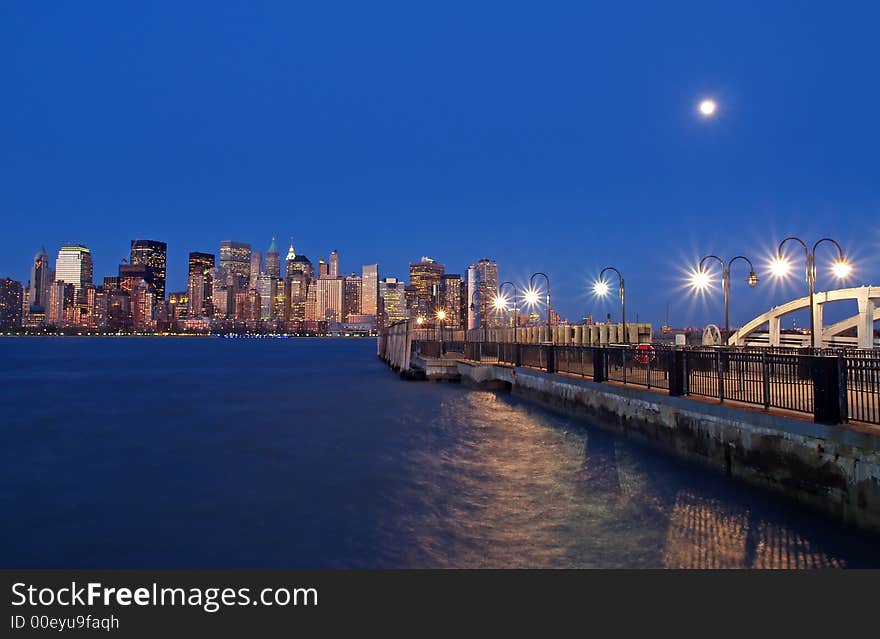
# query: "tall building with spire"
41,280
273,260
334,263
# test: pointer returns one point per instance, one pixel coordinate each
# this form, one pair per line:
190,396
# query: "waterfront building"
74,265
351,296
451,299
392,302
273,260
253,306
323,268
369,289
142,303
153,255
235,257
41,279
334,263
311,305
223,293
424,282
118,310
11,294
111,282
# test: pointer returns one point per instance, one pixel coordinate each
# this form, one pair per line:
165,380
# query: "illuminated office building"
11,294
200,284
74,266
392,302
351,296
333,269
323,268
424,281
451,300
132,274
235,257
369,289
265,286
329,292
152,255
295,292
481,291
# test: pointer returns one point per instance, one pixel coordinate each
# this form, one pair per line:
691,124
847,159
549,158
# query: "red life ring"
645,353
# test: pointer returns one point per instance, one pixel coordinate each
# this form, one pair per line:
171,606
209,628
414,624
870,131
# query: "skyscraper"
256,268
41,279
289,260
351,296
482,289
11,293
424,278
273,260
74,266
369,289
132,274
392,302
329,293
153,255
334,263
199,284
323,268
235,257
450,299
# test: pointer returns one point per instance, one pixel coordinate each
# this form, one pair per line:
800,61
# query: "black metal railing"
832,384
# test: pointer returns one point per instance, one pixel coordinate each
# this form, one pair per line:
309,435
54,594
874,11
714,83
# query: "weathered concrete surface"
832,469
436,369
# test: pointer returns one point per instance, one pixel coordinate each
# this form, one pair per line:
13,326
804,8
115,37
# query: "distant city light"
708,107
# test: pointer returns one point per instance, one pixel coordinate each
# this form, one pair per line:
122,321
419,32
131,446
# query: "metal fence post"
765,377
677,374
719,369
551,358
828,407
599,373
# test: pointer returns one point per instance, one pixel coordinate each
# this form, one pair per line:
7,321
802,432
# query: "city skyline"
536,140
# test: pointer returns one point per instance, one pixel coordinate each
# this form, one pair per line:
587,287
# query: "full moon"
708,108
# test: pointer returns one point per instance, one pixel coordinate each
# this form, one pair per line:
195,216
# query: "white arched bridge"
867,297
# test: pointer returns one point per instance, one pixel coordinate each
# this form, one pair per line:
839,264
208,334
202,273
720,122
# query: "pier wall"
832,469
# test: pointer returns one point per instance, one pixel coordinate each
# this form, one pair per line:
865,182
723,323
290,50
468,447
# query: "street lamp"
504,303
532,294
841,269
441,315
601,289
701,281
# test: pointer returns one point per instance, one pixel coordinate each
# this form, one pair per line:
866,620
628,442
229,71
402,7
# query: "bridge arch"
867,297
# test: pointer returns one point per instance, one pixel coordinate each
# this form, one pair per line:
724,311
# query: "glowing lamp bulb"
531,297
780,267
700,280
841,269
600,288
441,315
499,303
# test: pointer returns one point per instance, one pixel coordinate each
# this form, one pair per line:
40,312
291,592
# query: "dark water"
125,452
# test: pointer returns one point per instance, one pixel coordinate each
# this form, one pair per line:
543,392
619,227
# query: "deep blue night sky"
556,136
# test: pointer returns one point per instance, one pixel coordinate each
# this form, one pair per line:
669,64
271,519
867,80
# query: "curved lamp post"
601,289
532,294
701,281
841,269
499,300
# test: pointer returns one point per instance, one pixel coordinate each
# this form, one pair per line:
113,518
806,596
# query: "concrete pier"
832,469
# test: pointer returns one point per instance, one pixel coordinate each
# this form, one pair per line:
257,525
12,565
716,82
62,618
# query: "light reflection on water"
311,453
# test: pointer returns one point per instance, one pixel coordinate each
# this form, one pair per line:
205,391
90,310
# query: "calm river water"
222,453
